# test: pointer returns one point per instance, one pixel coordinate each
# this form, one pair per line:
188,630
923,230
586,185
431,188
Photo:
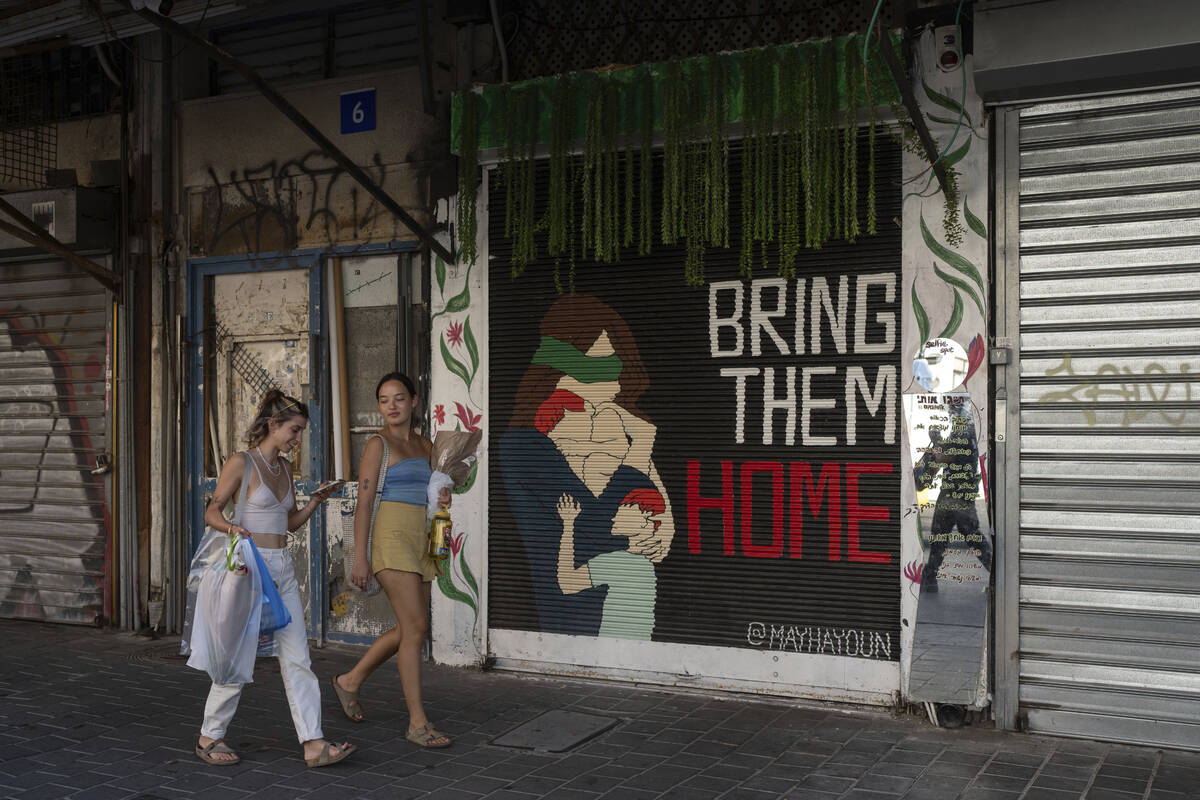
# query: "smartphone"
333,485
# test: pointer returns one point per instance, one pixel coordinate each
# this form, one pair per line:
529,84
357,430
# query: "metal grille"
1110,418
28,140
548,37
245,364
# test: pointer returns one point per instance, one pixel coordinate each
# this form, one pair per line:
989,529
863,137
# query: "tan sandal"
349,701
219,747
426,735
324,759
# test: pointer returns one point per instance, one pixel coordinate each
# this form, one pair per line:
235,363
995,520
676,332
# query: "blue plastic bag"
275,615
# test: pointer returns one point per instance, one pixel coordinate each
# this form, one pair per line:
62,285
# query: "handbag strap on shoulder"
241,501
383,465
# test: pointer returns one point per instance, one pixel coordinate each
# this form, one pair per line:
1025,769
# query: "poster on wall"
715,466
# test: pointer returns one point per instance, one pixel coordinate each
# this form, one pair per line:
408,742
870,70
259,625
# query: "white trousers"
291,647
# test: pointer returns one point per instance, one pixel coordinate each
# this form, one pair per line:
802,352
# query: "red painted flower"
469,419
913,571
456,543
439,414
454,334
975,353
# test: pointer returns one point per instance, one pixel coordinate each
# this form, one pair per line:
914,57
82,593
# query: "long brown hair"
276,406
578,320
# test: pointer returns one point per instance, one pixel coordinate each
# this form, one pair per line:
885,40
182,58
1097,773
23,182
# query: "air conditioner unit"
81,218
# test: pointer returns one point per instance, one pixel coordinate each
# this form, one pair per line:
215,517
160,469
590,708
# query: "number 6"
357,114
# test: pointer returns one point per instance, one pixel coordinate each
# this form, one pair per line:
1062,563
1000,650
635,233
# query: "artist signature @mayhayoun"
827,641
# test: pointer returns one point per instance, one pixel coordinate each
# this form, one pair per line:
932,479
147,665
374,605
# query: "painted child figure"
628,611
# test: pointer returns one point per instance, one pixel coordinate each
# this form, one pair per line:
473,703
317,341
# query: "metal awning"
83,23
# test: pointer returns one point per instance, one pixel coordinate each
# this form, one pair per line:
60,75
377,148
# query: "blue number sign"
358,111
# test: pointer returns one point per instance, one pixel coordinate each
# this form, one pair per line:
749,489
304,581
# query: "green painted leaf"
958,282
922,317
974,222
469,482
448,588
453,364
472,346
956,315
439,271
460,301
950,257
466,570
948,103
943,120
952,158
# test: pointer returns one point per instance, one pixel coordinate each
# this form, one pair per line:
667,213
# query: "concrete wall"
253,183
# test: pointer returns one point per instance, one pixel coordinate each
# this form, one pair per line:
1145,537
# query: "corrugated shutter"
54,513
365,37
764,555
1110,418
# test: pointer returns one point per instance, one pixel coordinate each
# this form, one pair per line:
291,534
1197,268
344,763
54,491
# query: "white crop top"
264,512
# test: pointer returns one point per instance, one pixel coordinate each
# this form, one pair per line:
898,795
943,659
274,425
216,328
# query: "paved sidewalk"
92,714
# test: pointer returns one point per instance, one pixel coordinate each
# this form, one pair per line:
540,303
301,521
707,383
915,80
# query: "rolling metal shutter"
763,542
1110,418
54,512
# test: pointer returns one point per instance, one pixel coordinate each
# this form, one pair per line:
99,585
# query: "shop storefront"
1101,275
700,485
57,406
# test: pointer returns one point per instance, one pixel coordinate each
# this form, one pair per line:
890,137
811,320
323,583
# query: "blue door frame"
198,484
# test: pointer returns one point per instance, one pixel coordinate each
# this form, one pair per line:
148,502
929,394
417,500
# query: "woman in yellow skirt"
399,556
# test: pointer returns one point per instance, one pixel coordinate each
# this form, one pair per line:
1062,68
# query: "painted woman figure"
269,514
577,430
399,556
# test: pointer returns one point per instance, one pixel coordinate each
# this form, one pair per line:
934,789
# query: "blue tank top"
407,481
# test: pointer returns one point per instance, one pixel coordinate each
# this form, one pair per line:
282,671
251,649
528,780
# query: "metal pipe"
499,41
102,57
914,110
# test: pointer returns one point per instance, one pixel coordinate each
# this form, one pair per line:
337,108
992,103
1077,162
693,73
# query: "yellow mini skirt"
400,540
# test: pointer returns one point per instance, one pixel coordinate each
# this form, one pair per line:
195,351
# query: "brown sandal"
324,759
426,735
218,746
349,701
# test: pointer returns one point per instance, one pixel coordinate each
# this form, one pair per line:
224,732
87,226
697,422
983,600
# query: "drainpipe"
499,41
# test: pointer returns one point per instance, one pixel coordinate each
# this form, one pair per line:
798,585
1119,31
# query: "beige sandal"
349,701
324,759
218,746
426,735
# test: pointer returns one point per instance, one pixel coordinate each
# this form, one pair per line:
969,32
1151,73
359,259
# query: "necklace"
277,467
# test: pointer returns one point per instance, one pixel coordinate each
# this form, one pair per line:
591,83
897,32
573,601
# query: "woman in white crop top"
269,514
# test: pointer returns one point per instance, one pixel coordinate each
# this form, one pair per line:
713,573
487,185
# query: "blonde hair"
276,406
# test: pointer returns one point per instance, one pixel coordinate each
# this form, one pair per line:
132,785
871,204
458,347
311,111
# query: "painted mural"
578,462
458,397
53,509
714,466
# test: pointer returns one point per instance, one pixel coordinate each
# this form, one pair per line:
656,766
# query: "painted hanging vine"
798,186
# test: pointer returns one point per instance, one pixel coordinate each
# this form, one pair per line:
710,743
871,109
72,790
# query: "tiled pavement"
90,714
